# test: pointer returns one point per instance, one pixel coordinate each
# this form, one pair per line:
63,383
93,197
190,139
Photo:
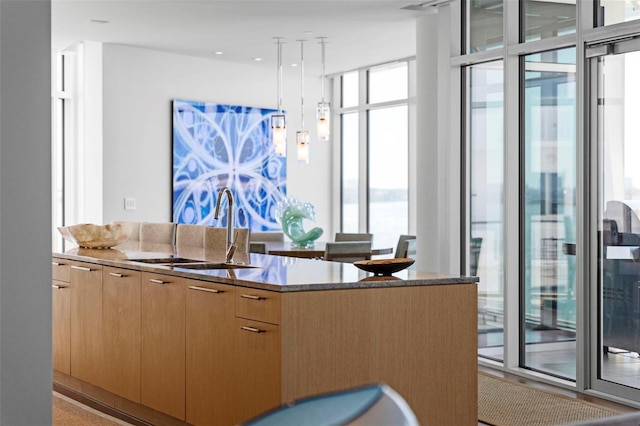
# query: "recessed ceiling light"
257,59
218,52
294,65
98,21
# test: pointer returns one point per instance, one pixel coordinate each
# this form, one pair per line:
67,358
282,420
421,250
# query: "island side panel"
307,335
444,340
419,340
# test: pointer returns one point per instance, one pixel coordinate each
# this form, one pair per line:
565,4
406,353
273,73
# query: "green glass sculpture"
290,213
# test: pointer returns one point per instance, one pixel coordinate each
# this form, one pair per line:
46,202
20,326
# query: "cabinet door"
163,344
210,358
121,304
61,331
86,323
257,353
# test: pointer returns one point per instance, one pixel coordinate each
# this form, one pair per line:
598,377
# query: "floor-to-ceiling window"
375,163
520,141
486,205
527,177
570,201
548,212
615,342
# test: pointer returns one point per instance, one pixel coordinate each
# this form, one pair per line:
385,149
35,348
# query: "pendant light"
323,112
278,120
302,136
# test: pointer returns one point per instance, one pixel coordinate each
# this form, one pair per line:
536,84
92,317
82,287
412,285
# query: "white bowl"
88,235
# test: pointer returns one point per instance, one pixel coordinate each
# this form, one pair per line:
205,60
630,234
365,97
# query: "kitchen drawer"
258,305
60,270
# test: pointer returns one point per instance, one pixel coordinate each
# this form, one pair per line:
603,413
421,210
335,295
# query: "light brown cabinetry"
257,364
257,349
60,270
213,354
211,360
233,364
61,316
87,352
420,340
163,344
122,302
259,305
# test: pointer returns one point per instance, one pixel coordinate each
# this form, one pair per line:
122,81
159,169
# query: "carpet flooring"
505,403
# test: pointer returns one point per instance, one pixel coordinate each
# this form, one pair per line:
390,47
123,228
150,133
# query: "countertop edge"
368,282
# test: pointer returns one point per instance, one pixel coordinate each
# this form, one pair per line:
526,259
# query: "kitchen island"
176,336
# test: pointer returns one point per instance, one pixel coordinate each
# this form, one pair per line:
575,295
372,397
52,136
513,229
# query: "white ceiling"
358,33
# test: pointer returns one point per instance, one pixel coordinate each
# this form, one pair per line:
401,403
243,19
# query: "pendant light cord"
279,75
322,68
301,84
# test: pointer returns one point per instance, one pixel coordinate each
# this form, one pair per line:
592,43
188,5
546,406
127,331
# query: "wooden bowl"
384,267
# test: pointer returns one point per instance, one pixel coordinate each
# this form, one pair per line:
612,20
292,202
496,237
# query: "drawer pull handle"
117,275
57,264
251,329
153,280
81,268
252,297
209,290
59,287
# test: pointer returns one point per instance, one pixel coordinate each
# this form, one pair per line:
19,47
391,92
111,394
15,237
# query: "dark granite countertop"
276,273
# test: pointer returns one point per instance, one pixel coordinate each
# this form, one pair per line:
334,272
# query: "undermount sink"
215,266
181,262
166,260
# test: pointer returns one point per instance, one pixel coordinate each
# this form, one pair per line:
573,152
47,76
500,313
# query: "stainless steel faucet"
230,243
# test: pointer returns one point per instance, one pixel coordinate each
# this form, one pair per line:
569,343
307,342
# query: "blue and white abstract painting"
216,145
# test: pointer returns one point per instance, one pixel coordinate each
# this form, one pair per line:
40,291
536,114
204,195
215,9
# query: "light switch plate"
129,203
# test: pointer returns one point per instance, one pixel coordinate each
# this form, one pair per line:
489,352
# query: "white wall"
438,148
138,86
25,213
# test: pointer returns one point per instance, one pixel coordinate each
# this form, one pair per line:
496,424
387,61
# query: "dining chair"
474,251
402,248
160,233
347,236
408,249
267,236
190,235
133,228
347,251
215,239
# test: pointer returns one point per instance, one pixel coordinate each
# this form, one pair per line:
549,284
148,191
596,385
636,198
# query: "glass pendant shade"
323,112
279,133
278,120
302,140
323,116
302,136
